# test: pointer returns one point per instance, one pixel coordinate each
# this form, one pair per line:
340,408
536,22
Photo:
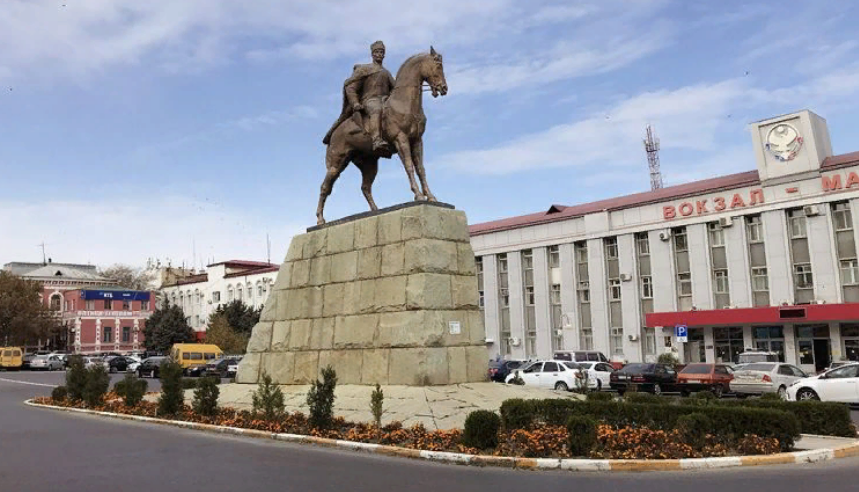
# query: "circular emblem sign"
783,142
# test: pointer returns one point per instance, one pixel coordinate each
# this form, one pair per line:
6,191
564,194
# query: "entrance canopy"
759,315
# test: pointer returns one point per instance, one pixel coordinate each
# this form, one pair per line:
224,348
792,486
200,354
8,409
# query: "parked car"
840,384
11,358
584,356
25,364
233,368
500,369
94,361
751,356
652,378
217,367
195,354
765,377
151,367
836,365
701,377
133,363
46,363
119,363
599,373
549,374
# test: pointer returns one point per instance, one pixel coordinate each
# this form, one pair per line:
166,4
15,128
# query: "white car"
133,363
93,361
46,362
549,374
758,378
839,384
599,374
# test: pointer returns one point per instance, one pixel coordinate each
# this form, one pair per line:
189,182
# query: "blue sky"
182,130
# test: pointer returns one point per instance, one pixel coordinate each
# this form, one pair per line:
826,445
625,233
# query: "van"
194,354
11,357
584,356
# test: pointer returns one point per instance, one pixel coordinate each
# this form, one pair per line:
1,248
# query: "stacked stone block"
376,298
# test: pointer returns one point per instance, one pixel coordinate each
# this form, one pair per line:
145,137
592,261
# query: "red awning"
806,313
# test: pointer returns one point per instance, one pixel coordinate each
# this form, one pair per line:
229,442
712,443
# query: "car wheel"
718,391
657,389
782,392
561,386
806,394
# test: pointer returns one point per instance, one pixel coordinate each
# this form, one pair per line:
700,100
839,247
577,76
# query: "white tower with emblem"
792,144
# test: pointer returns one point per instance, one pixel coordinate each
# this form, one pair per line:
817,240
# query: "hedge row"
815,417
725,421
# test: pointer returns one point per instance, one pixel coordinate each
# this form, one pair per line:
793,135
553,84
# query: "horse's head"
432,70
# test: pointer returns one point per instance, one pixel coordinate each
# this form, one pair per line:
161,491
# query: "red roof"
769,315
562,212
242,264
253,271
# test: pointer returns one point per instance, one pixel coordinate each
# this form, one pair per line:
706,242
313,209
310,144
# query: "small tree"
223,335
668,358
76,377
206,397
172,396
582,434
24,316
267,400
481,429
320,399
129,277
97,384
239,316
59,394
377,401
166,326
131,389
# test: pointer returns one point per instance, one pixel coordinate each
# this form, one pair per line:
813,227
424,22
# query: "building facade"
200,295
762,259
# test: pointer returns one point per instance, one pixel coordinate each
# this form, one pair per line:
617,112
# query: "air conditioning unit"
515,341
625,277
726,222
811,210
632,338
665,236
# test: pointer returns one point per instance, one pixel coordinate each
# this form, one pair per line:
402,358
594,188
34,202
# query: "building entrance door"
821,354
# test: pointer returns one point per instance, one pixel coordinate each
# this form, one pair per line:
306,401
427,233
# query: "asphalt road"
48,450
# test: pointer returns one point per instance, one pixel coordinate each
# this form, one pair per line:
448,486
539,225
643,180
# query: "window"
684,281
239,295
107,334
126,306
584,292
617,341
650,341
259,289
796,224
680,243
527,259
841,216
611,248
196,356
587,338
502,263
647,287
197,320
209,356
760,282
555,294
720,279
849,272
216,296
229,293
505,298
126,334
802,276
717,234
754,228
529,296
89,305
56,302
642,244
554,256
770,339
481,299
144,305
250,292
614,289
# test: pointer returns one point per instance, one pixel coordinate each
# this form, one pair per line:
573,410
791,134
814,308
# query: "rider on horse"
366,91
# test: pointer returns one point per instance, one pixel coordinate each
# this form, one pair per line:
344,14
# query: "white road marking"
27,382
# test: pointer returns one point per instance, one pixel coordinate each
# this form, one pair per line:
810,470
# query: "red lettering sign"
668,212
720,204
737,201
831,183
701,207
686,209
756,195
852,179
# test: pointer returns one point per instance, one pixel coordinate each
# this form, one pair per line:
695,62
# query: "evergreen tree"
239,316
166,326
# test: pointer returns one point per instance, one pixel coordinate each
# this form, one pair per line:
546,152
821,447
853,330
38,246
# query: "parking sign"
681,332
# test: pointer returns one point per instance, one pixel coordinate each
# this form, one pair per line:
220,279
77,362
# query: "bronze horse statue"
403,125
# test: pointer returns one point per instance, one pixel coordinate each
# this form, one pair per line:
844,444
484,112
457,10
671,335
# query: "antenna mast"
651,146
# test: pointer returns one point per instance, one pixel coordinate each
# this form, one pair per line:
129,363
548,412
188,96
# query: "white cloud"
131,231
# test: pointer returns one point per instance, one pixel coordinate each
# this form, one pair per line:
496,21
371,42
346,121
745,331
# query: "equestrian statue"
381,114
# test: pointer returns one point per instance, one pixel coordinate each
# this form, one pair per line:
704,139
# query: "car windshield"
637,368
759,367
585,365
697,369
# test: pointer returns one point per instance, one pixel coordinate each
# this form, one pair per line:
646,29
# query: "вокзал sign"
713,205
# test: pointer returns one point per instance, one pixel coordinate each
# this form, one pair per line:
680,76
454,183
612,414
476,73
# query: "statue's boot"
380,145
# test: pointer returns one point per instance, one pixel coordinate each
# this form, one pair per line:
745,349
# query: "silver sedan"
46,363
758,378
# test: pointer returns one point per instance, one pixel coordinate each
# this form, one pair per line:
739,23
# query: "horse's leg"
369,166
335,162
405,152
418,158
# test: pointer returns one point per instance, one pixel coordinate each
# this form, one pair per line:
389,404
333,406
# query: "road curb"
582,465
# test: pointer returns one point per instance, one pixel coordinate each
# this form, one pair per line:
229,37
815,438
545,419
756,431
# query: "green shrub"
76,377
582,434
97,384
517,413
640,397
267,400
815,417
320,399
600,396
705,395
481,429
694,428
377,402
131,389
59,393
206,397
668,358
172,395
771,397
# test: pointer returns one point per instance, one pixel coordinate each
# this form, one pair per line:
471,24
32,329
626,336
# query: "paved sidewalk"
809,442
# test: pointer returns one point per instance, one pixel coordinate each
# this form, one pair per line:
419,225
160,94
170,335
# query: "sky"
190,131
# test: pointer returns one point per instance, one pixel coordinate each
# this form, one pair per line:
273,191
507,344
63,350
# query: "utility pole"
44,256
651,146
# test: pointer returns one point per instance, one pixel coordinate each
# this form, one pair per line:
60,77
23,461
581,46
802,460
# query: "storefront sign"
834,182
115,295
713,205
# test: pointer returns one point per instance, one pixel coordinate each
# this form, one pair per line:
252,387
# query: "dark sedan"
217,367
652,378
151,367
499,369
118,364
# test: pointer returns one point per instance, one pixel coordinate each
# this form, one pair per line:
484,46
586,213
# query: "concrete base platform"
436,407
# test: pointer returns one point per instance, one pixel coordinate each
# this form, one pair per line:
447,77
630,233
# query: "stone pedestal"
388,297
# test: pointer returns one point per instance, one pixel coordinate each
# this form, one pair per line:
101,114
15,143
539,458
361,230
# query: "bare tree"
129,277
